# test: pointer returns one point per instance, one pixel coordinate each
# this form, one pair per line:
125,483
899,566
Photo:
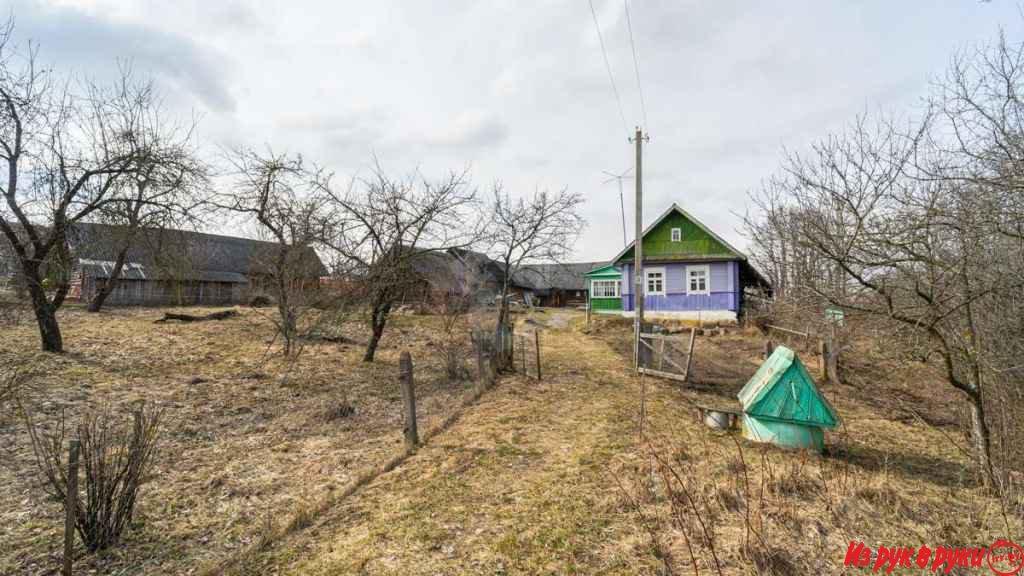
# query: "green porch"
604,285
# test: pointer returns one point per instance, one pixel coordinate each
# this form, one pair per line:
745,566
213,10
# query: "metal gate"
665,355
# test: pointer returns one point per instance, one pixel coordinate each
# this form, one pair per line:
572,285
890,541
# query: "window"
677,234
655,281
698,279
605,289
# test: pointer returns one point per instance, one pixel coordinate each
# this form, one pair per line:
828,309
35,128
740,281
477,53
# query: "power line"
636,64
608,66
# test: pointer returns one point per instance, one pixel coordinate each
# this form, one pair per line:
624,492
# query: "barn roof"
558,276
195,255
783,390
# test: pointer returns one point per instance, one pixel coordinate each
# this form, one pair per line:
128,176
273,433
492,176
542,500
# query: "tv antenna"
622,204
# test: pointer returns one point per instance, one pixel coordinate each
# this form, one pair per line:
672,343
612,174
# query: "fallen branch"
222,315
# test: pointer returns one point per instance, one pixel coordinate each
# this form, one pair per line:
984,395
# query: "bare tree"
284,197
66,147
382,225
912,249
164,192
539,228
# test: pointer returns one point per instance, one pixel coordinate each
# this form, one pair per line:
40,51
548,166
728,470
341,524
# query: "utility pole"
622,203
638,247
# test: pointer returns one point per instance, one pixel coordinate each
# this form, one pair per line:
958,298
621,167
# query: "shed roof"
783,390
609,271
557,276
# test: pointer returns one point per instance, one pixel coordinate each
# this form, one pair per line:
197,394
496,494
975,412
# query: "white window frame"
707,279
616,289
677,234
647,280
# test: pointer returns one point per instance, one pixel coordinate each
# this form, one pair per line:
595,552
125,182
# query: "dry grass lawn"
249,439
534,478
540,476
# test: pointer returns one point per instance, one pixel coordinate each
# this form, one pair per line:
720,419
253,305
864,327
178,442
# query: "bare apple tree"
66,147
538,228
283,195
383,224
164,192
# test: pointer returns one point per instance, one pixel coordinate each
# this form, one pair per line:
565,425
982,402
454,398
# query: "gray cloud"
77,41
519,91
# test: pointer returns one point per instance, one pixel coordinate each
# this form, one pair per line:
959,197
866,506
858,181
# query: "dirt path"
520,484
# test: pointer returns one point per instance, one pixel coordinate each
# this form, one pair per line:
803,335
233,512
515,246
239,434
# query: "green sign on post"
834,315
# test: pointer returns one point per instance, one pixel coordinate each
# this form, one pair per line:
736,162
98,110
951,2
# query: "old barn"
175,267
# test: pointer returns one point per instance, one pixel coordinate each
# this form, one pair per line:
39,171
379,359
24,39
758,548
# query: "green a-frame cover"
784,391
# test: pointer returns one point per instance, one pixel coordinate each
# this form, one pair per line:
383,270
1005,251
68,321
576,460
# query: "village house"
461,271
689,273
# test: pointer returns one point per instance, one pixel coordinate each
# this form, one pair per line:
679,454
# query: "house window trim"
664,281
707,279
616,284
677,234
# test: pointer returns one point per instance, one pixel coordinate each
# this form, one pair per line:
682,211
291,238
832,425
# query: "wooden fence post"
823,355
412,437
479,345
830,362
769,347
71,507
689,354
536,344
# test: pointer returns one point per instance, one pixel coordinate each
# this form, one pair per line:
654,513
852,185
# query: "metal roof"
609,271
156,253
543,277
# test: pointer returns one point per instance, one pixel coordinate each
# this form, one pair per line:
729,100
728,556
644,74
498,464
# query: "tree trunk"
981,438
96,304
503,360
377,322
46,318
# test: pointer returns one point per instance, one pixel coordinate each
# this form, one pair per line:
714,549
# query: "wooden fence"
809,345
527,354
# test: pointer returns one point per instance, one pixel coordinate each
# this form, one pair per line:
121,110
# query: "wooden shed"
782,405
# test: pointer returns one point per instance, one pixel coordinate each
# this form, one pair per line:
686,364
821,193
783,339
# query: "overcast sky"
518,91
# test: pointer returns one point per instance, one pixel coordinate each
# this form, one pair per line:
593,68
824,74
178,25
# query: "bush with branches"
115,460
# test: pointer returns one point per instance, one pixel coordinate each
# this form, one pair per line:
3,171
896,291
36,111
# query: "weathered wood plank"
669,375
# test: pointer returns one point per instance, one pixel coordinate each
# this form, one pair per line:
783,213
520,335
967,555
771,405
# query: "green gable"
609,272
781,390
696,242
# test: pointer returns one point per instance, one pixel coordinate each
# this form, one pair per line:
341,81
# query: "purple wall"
724,288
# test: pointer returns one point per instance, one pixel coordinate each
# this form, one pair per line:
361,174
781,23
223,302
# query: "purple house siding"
723,287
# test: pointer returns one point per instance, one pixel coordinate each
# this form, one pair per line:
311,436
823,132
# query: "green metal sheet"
604,273
783,391
786,434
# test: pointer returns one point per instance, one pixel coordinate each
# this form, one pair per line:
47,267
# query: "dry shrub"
453,308
338,411
772,561
261,301
12,313
115,459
